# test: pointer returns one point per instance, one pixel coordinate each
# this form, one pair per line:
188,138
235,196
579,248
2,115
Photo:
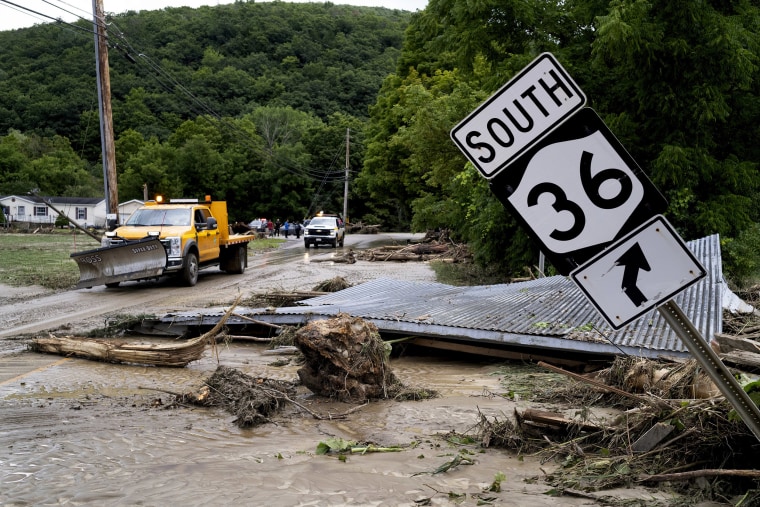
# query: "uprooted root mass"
252,400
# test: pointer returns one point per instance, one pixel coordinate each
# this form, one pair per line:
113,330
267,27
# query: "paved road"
37,312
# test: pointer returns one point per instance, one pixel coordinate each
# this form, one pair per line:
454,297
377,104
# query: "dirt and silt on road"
75,432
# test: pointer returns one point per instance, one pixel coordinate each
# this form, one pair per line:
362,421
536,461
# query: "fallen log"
177,354
711,472
174,354
557,420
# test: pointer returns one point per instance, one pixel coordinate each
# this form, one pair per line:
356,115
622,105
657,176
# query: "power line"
118,41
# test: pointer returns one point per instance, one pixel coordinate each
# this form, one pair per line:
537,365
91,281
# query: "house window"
81,213
21,211
40,211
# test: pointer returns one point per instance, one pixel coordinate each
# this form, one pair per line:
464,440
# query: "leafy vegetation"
249,102
677,83
252,102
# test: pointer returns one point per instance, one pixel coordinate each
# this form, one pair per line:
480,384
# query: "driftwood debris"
156,354
417,252
252,400
556,420
346,258
346,359
177,354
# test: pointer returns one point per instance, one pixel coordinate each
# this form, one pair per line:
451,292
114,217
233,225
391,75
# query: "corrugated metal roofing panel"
545,313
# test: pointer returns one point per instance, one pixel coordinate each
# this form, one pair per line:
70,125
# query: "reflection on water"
90,433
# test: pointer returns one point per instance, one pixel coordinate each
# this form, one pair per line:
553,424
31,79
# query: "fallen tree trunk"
153,354
711,472
175,354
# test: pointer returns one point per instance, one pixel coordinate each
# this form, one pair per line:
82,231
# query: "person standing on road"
286,226
298,230
270,228
277,226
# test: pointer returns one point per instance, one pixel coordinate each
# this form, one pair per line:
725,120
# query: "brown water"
80,432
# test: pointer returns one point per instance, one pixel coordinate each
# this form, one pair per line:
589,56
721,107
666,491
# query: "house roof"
37,199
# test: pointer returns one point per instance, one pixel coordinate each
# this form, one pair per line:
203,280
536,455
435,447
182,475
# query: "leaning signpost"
558,169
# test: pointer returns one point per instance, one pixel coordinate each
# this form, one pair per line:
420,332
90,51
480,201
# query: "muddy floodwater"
76,432
79,432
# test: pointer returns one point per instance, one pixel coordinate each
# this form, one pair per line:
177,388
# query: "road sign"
642,270
519,114
577,191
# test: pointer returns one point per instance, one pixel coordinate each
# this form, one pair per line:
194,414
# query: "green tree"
686,98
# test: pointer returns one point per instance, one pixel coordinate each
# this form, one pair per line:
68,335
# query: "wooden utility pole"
345,186
104,99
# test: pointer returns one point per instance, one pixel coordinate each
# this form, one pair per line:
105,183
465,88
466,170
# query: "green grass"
44,259
41,259
465,274
259,245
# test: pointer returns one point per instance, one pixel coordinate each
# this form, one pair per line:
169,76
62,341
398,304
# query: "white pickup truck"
324,230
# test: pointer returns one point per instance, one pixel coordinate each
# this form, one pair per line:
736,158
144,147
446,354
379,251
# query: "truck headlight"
175,246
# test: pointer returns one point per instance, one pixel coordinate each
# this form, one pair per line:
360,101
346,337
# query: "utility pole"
104,99
345,186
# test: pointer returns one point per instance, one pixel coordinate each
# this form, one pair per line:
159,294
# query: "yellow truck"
179,238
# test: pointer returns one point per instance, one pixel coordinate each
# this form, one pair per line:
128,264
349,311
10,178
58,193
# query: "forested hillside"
249,102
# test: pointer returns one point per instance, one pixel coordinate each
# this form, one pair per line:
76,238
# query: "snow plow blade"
145,258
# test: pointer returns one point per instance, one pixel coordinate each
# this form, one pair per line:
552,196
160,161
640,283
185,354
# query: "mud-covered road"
78,432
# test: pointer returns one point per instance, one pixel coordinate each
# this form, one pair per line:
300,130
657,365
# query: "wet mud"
75,431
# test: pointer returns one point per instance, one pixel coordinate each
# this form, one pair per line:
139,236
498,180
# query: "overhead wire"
168,82
40,15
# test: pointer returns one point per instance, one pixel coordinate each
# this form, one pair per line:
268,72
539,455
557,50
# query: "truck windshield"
322,222
159,217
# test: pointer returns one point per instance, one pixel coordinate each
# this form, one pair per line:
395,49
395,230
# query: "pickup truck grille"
319,232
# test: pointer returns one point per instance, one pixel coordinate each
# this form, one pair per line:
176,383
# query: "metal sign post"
712,365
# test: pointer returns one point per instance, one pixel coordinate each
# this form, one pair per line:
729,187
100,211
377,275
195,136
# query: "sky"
13,16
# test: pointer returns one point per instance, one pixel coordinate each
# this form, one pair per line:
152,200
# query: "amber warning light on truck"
518,115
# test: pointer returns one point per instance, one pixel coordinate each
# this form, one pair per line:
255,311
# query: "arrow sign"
633,261
649,266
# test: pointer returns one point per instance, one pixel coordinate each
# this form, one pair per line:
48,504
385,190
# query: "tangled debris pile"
436,245
284,298
662,431
345,358
252,400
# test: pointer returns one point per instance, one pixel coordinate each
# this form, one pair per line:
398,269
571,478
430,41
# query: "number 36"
592,186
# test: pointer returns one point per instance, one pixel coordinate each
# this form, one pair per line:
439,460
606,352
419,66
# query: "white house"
127,208
85,211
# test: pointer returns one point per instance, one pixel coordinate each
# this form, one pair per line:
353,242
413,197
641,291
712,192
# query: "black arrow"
633,260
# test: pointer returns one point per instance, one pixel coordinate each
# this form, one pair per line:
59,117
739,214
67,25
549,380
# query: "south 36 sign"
556,166
577,191
567,179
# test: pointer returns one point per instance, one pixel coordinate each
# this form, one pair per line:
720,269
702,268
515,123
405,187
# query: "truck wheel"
240,258
190,269
342,239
